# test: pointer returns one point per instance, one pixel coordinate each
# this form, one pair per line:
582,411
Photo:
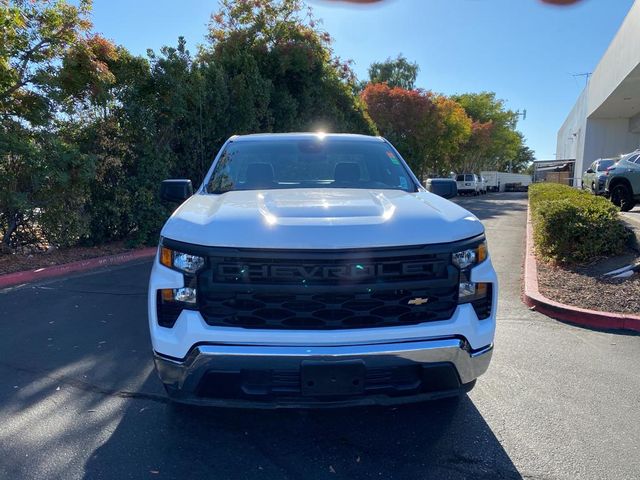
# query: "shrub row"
573,226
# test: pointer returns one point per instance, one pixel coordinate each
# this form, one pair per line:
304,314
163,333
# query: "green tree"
395,72
85,80
280,71
267,68
523,161
495,142
43,174
35,36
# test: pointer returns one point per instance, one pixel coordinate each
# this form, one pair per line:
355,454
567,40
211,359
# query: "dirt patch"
583,286
18,262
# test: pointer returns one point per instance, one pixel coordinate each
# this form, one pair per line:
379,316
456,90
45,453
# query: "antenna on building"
522,114
586,76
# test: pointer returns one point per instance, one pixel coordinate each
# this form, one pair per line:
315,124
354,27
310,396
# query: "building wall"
608,138
593,129
634,124
622,56
570,142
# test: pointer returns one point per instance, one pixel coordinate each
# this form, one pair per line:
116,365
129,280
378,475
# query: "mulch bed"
17,262
583,285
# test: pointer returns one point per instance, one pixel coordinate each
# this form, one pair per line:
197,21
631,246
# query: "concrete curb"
560,311
27,276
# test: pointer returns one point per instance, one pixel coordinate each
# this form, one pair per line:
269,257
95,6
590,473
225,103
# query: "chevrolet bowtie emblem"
418,301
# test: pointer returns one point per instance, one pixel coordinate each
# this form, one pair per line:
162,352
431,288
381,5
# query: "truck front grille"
330,310
327,290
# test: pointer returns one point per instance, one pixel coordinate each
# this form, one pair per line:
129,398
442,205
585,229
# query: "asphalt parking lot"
79,397
632,218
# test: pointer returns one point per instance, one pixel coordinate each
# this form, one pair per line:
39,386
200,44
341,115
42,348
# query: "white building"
605,121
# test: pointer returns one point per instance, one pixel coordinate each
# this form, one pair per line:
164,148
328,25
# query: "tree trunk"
11,227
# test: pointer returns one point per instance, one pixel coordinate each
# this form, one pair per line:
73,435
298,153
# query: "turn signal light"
481,253
166,257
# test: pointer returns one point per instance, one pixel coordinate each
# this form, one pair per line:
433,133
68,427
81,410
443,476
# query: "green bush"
573,226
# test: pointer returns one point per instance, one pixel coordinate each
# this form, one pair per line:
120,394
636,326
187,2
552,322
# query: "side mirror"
590,170
176,190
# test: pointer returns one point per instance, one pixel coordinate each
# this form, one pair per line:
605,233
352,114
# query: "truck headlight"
465,260
184,262
171,301
468,258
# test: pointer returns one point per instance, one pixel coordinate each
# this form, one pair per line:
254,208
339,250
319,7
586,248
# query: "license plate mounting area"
345,377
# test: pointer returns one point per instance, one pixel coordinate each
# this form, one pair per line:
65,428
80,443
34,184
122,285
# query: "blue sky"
523,50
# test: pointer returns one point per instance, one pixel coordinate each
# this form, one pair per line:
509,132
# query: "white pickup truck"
313,270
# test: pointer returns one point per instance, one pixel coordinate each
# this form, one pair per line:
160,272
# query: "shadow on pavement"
73,349
494,204
440,439
90,328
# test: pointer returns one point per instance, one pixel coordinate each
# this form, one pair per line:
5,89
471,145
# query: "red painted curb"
26,276
560,311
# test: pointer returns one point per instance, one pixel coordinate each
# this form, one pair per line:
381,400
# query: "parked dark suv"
623,181
595,177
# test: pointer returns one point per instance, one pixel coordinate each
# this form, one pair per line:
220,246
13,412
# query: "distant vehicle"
493,180
496,181
468,184
595,176
623,181
483,186
445,187
516,187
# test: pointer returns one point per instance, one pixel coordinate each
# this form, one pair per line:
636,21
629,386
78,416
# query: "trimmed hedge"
574,226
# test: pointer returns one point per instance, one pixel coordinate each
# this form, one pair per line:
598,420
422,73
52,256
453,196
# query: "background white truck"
496,181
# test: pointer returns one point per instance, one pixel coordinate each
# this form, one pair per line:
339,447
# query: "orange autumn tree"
475,149
403,117
427,129
452,130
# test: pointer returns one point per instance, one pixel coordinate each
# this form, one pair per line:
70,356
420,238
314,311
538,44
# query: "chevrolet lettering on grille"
322,272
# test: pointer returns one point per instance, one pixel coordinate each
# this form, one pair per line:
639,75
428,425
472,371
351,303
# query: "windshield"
465,178
630,157
604,164
309,163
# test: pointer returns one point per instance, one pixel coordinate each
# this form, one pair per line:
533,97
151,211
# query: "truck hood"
321,218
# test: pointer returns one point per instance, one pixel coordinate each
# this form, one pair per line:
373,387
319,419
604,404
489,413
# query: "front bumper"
271,376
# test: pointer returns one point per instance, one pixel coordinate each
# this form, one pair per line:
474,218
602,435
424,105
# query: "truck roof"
262,137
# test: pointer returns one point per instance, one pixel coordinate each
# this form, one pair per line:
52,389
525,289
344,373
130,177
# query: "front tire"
621,197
